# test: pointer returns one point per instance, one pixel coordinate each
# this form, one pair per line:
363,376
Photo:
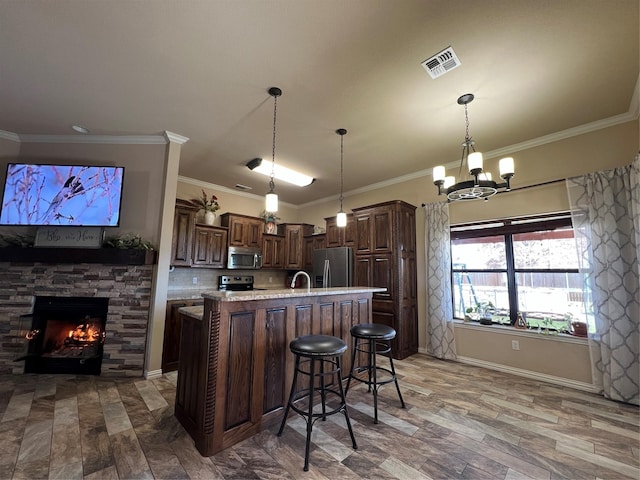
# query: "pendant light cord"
273,148
341,168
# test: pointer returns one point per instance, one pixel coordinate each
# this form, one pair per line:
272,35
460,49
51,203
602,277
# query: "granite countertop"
286,293
198,311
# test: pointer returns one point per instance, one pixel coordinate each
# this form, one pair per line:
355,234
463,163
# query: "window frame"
507,228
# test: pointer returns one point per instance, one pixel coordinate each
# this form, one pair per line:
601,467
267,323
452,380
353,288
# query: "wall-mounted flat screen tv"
62,195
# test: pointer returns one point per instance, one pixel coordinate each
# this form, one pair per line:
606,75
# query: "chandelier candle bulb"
475,163
506,167
449,181
439,173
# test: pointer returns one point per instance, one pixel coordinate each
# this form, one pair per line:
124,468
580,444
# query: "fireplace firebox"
66,335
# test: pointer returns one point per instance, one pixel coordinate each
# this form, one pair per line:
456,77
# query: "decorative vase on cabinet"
209,217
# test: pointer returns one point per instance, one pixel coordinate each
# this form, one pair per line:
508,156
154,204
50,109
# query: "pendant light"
341,217
271,199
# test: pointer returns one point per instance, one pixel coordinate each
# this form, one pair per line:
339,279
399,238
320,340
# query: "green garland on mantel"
127,241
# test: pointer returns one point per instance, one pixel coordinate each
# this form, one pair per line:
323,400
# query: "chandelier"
482,185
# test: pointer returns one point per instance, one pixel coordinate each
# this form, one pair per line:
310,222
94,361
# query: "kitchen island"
235,368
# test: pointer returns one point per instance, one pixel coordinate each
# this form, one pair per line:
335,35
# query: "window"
527,266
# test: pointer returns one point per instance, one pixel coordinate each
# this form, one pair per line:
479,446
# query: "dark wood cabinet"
196,245
294,244
172,329
273,251
183,229
385,256
244,231
340,236
209,247
374,230
311,243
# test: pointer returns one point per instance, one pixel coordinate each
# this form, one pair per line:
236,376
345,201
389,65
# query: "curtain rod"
542,184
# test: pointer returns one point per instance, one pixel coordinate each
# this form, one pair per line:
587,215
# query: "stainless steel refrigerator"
333,267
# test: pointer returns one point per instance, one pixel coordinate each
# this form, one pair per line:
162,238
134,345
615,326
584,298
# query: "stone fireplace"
127,288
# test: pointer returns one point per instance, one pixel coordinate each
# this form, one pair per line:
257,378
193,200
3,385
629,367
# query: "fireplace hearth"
66,335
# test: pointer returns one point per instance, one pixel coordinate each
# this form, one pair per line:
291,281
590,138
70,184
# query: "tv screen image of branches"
62,195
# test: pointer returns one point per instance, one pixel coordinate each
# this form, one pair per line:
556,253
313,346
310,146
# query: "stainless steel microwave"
244,258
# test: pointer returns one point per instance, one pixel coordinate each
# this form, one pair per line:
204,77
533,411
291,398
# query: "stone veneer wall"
128,288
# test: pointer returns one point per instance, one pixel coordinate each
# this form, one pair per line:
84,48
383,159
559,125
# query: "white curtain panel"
440,340
606,220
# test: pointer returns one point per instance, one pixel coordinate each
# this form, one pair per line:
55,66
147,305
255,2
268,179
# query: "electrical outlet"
270,279
195,280
515,344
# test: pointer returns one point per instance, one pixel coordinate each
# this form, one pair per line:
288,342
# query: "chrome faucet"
301,272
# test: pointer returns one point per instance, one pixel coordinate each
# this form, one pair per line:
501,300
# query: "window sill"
508,330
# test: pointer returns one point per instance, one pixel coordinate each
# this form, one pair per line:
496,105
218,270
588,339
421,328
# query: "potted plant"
483,312
209,204
270,219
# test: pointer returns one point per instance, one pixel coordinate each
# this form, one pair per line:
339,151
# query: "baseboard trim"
542,377
149,374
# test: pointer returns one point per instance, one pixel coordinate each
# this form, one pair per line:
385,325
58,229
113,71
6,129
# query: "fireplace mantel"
105,256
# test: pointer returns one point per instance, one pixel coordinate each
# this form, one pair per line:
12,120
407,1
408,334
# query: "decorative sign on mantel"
77,237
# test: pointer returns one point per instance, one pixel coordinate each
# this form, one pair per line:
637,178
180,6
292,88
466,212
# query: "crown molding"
9,136
175,138
96,139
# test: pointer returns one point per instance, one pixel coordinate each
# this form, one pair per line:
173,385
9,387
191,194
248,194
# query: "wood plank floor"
460,422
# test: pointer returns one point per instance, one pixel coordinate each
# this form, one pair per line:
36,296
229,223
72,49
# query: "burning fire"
85,333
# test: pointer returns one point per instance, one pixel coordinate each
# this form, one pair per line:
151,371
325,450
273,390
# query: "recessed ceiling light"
281,173
80,129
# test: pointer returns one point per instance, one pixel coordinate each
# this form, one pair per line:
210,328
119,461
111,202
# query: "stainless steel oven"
244,258
235,283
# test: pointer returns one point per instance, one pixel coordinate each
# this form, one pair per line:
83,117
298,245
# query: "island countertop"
286,293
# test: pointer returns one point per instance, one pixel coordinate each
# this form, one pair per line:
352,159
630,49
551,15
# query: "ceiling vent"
441,63
239,186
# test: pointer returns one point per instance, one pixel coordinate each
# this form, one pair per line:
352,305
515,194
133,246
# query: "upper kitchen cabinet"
183,229
294,244
209,247
311,243
341,236
244,231
386,257
273,248
374,229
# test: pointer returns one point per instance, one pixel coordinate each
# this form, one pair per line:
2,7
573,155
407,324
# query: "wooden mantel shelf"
107,256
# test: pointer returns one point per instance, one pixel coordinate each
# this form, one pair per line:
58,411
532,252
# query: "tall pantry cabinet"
385,256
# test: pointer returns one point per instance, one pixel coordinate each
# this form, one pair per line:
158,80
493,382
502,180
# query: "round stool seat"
374,331
317,346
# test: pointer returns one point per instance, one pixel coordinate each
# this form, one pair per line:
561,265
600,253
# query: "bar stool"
314,352
372,339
